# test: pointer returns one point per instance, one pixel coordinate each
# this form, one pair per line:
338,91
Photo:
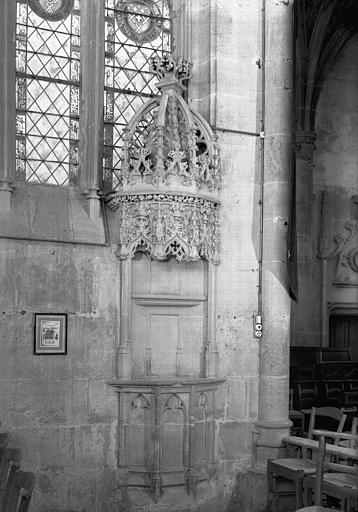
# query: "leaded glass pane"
47,90
135,30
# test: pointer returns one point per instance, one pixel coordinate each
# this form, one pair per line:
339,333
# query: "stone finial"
167,67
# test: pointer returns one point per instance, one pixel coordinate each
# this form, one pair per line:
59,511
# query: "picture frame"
50,334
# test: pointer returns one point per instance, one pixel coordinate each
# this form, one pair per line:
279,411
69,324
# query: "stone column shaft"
273,420
305,146
91,117
181,28
7,100
124,360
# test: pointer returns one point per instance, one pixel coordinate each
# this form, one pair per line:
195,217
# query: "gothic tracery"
170,176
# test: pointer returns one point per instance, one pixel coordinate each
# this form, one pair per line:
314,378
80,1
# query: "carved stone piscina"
167,196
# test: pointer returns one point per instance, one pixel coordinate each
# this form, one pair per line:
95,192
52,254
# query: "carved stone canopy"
168,192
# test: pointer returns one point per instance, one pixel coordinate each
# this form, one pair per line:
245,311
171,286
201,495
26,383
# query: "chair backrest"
331,417
340,436
330,354
324,464
18,491
327,415
305,393
354,431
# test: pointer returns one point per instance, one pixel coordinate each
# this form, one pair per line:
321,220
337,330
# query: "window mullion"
7,100
91,118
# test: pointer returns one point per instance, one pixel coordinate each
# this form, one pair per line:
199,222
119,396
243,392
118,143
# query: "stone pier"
273,423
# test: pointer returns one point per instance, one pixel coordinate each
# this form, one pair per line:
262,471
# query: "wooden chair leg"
274,503
307,494
269,487
299,490
268,502
347,504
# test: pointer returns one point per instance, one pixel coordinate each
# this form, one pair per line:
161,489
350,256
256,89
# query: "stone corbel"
6,190
93,203
305,145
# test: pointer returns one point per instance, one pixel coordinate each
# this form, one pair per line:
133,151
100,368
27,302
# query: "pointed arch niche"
167,319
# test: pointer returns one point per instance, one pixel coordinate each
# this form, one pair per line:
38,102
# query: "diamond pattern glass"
47,96
134,31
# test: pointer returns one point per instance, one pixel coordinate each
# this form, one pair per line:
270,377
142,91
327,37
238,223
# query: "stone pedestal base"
166,434
267,442
250,494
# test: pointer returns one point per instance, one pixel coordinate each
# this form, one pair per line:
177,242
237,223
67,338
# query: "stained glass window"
47,90
135,30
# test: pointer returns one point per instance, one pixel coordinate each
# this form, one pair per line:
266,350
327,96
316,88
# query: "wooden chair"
285,476
18,491
353,441
319,474
338,480
9,464
4,439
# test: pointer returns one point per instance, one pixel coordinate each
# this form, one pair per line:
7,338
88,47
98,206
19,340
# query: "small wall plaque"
50,334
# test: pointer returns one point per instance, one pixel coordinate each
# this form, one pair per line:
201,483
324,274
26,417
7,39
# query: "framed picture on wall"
50,334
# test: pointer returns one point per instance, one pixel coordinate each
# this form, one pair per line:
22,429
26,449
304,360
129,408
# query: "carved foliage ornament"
167,66
185,227
170,177
52,10
139,20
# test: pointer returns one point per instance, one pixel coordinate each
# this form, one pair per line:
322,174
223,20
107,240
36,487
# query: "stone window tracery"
47,90
135,30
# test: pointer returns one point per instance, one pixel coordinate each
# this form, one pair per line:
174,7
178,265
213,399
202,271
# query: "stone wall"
59,409
335,182
226,90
